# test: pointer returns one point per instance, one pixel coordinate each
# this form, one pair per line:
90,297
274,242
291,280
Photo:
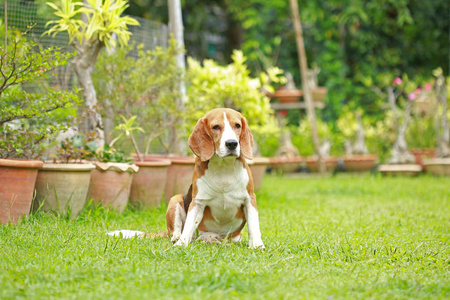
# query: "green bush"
134,82
211,85
25,118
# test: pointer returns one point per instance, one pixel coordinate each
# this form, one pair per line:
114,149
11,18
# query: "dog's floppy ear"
201,142
246,140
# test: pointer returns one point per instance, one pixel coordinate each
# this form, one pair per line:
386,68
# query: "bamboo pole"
306,89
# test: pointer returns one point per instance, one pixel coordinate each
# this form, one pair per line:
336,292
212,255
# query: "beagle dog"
221,198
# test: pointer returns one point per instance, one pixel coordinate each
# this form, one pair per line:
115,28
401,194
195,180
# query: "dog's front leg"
193,219
252,216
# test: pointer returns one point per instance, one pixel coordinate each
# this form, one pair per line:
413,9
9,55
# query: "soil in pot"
62,188
17,178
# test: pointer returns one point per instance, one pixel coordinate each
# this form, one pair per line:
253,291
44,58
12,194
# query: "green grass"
330,238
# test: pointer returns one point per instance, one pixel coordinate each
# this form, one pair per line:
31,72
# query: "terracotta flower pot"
438,166
147,187
359,163
258,167
422,154
408,170
110,184
313,164
62,187
179,176
17,180
286,164
287,96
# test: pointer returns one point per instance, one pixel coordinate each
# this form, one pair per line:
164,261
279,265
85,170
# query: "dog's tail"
128,234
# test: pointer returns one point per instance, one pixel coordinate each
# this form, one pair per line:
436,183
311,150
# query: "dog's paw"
253,244
175,237
181,243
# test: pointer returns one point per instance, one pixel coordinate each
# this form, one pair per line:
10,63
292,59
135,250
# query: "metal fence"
22,14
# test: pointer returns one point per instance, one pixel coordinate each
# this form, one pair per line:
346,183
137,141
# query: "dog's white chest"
223,189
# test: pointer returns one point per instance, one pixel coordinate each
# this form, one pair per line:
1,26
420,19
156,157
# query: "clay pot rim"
278,160
258,161
284,93
74,167
310,159
173,158
154,163
116,167
21,163
360,157
436,161
400,168
182,160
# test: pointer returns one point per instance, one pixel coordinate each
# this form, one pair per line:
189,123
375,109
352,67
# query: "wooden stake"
306,89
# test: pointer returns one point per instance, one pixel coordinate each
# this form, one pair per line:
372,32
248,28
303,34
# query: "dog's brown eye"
217,127
237,126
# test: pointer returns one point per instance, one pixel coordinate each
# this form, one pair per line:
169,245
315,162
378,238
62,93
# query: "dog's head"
222,131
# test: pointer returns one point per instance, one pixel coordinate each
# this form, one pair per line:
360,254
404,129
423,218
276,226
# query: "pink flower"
427,87
412,96
121,86
398,81
418,91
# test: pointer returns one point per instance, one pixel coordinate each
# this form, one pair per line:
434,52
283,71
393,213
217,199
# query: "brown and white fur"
221,198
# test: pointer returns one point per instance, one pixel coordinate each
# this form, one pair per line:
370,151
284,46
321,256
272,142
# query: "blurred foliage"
134,82
350,41
211,85
76,148
111,154
26,120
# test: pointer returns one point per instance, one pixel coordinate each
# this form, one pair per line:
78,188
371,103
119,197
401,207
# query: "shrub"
211,85
22,62
133,82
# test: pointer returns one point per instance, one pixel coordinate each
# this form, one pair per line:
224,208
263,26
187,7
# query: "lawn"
331,238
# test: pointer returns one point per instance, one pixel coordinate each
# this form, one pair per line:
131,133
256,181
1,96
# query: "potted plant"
357,157
302,140
62,185
25,120
318,92
91,25
147,186
402,161
441,165
110,182
288,93
148,102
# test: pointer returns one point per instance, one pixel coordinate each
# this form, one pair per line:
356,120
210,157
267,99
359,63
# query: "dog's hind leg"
175,217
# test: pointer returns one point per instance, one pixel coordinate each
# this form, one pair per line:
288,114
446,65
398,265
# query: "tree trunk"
443,133
178,145
304,73
84,64
400,152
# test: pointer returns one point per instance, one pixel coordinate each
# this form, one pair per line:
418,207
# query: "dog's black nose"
231,144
